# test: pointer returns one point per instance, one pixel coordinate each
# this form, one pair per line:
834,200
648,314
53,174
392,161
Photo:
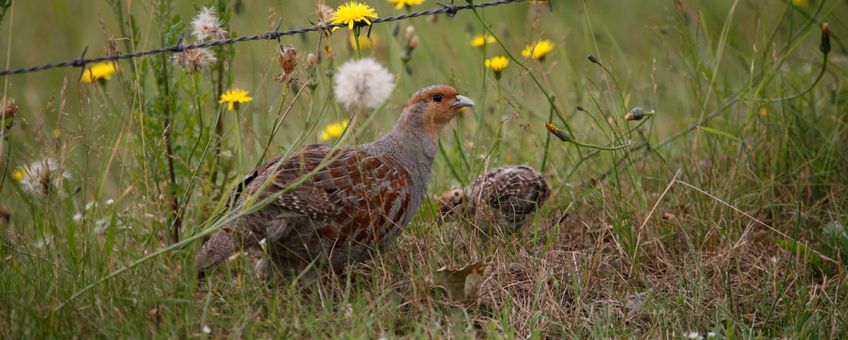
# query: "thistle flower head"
538,50
99,71
400,4
362,84
334,130
40,177
195,59
354,14
207,25
233,97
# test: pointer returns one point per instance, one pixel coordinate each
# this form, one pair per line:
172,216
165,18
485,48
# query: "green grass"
726,213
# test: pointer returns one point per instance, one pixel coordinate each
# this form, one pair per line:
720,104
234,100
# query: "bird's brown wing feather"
352,197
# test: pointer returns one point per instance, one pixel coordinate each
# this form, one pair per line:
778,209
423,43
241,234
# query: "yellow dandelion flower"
354,14
801,3
334,130
399,4
364,41
19,174
233,97
538,50
496,64
98,71
481,40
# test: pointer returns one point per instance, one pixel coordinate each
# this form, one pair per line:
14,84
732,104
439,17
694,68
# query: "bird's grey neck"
411,144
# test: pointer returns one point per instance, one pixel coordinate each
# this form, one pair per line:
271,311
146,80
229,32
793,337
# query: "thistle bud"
312,59
556,132
825,39
288,59
410,32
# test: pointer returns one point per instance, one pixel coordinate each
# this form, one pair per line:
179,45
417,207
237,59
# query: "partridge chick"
344,202
501,198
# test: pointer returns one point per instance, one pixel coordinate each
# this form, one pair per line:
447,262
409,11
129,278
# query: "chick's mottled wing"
514,191
352,196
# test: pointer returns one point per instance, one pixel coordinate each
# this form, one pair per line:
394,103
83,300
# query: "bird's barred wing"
351,195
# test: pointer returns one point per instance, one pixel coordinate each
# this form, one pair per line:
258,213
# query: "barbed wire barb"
449,10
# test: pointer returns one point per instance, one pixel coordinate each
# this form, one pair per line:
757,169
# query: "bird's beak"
462,101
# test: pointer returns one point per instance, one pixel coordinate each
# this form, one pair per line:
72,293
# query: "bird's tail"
217,249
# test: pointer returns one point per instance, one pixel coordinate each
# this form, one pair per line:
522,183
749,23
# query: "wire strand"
448,9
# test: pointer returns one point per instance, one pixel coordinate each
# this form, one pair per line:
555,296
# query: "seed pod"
594,59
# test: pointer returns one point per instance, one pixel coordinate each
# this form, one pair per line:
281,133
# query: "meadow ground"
724,213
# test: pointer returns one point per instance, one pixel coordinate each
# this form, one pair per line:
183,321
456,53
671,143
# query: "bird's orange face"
437,105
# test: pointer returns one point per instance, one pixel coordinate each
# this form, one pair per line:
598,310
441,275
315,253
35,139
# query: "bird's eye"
438,98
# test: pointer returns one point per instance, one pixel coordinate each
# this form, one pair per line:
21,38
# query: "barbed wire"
448,9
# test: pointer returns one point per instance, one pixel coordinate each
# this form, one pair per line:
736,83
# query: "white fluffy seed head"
363,84
207,25
195,59
42,177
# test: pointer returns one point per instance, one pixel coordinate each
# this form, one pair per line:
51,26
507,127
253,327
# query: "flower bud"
8,109
825,39
637,113
556,132
312,59
594,59
410,32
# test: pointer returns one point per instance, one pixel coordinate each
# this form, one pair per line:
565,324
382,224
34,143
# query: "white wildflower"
694,335
41,177
207,25
109,202
77,217
363,84
195,59
711,334
207,330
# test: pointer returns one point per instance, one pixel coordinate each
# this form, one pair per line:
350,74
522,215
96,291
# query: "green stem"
808,89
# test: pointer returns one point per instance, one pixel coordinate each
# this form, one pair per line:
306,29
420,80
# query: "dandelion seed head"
363,84
207,25
41,177
195,59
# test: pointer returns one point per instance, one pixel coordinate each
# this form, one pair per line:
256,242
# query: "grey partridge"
501,198
338,205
